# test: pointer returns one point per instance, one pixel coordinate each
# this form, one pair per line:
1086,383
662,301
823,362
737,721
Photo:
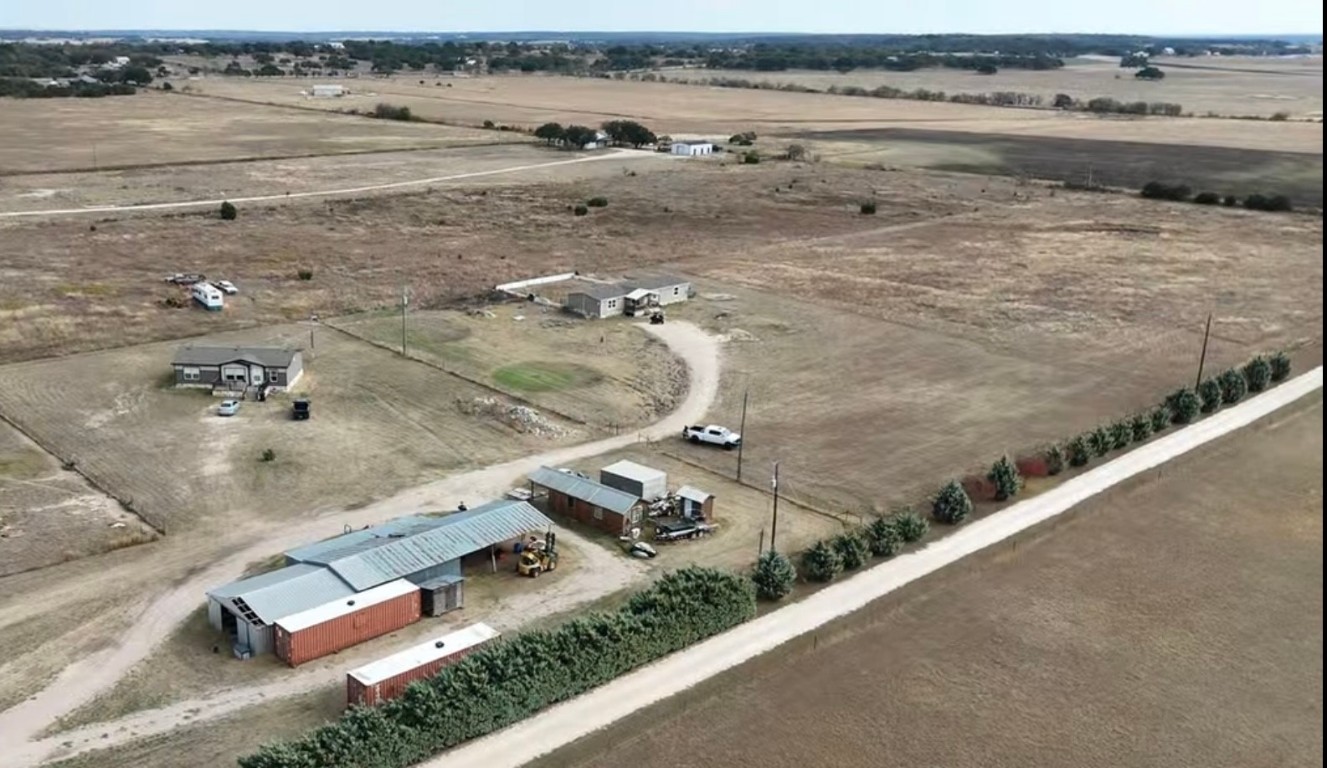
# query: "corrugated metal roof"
419,655
205,354
694,494
286,591
319,552
345,606
654,283
588,491
454,536
602,292
633,471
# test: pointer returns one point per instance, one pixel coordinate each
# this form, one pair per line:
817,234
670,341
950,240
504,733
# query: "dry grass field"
1227,86
692,110
1176,621
380,424
154,128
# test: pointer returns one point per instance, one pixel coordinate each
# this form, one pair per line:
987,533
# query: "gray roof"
656,282
366,563
283,592
602,292
588,491
207,354
401,526
633,471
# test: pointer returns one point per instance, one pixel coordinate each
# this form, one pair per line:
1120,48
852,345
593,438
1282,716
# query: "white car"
228,408
227,287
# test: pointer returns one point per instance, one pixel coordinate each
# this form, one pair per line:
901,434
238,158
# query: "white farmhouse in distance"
692,148
328,91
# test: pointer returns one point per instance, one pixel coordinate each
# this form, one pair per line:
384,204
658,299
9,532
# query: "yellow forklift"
538,556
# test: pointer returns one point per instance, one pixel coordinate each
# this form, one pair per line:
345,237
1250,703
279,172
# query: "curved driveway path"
97,673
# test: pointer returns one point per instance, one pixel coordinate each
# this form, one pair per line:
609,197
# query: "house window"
635,515
190,374
676,290
612,303
598,513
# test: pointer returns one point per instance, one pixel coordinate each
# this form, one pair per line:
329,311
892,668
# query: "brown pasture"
1175,621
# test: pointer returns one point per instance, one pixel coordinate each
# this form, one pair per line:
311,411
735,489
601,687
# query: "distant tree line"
24,88
1181,193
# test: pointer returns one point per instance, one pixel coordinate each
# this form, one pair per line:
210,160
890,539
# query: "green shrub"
392,112
305,274
1233,386
1140,427
911,526
506,681
883,538
597,202
1054,460
1156,190
580,210
1230,201
1080,453
1280,363
1207,198
774,575
268,455
852,550
1004,476
868,208
1099,441
1121,434
751,158
1209,392
1275,203
821,562
1258,373
951,504
228,211
1161,418
1184,406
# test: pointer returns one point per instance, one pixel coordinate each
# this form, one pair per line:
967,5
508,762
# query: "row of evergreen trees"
507,681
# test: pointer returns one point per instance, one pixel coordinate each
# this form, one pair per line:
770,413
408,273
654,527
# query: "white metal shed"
636,479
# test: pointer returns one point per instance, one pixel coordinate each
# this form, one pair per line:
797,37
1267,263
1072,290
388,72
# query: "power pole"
761,549
1203,357
741,430
774,524
405,300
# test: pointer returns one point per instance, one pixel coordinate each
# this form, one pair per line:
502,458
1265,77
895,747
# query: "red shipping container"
329,628
387,678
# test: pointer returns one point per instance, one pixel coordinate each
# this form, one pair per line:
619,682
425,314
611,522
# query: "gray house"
666,289
629,297
598,301
237,368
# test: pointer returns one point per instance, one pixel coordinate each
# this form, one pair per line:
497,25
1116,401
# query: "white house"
692,148
328,91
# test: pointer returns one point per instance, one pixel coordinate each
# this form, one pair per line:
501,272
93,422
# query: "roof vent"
350,602
439,644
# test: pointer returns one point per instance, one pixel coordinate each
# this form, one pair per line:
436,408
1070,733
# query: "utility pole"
761,550
741,430
405,300
1203,357
774,524
310,339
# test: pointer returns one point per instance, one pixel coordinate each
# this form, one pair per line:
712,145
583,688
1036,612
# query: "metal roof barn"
637,479
388,678
332,627
589,491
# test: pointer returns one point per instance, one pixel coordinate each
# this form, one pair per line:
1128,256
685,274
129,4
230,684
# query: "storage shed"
636,479
442,595
388,678
246,609
695,503
595,504
334,626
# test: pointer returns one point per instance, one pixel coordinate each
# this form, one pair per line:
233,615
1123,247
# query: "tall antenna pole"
1203,357
774,524
404,301
741,430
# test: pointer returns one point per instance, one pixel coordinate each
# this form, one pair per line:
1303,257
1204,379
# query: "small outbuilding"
328,91
237,369
592,503
695,504
692,148
598,301
639,480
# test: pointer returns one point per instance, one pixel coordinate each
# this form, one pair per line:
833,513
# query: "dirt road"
603,706
611,154
83,681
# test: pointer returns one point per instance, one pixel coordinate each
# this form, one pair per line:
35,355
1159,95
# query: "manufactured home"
236,369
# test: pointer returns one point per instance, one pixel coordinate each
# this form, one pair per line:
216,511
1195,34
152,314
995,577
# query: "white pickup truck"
713,434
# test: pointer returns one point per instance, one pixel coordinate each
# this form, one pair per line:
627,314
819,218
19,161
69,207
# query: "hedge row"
1156,190
510,680
853,549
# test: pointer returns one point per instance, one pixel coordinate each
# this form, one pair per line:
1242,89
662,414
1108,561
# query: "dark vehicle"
186,278
301,408
657,317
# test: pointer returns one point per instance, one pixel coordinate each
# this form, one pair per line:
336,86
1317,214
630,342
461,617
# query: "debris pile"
739,335
519,417
484,312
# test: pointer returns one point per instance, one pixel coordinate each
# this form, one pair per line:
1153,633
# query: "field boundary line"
593,711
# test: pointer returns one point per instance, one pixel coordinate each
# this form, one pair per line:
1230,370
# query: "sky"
1156,17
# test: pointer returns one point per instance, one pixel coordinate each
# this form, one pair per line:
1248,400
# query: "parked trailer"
388,678
332,627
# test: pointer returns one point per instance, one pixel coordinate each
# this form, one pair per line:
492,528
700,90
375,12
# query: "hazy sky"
884,16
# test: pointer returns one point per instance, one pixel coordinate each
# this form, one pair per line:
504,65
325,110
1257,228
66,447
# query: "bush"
489,124
1279,116
1121,434
1099,441
882,537
1004,476
774,575
228,211
580,210
1054,460
1233,386
1230,201
1280,363
1183,405
821,562
1210,394
1275,203
268,455
392,112
1258,373
852,550
1155,190
746,138
1161,418
305,274
1080,453
1207,198
597,202
506,681
951,504
868,208
751,158
911,526
1140,427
